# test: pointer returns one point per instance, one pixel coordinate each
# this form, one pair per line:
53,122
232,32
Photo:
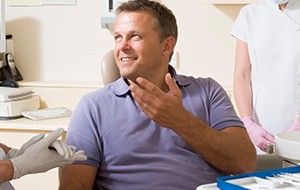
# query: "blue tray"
224,185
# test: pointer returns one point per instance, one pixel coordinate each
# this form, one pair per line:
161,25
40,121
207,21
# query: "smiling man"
152,128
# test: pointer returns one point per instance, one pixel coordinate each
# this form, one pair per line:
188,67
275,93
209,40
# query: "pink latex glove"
295,126
259,136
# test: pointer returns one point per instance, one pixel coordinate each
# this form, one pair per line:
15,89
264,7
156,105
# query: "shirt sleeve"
83,132
222,112
239,29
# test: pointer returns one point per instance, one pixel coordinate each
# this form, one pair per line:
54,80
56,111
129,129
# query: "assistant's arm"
6,170
243,97
6,167
242,80
77,177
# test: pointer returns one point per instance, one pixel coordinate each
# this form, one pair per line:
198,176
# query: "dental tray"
278,179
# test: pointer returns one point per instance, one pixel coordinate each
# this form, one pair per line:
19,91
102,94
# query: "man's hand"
260,137
165,109
45,154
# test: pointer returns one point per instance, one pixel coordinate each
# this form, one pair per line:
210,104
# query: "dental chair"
109,69
268,162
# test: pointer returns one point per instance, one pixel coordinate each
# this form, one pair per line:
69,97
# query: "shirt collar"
181,81
120,87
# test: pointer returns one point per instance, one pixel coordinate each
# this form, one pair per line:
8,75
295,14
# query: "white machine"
287,146
13,101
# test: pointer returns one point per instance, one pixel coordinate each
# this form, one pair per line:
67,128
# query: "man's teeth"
127,59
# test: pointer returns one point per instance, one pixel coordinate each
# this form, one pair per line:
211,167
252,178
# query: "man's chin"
129,77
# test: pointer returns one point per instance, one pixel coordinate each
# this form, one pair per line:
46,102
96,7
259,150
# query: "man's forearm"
230,150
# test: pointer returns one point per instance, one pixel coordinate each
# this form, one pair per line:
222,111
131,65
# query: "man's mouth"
128,59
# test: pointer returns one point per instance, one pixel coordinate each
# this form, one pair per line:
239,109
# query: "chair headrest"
109,69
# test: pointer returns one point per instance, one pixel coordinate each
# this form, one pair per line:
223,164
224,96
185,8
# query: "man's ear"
169,45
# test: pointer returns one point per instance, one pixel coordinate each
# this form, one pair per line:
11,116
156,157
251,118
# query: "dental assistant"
267,68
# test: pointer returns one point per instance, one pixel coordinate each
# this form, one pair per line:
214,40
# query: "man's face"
138,50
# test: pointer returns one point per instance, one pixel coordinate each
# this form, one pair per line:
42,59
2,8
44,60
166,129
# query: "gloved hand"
45,154
296,125
259,136
63,149
16,152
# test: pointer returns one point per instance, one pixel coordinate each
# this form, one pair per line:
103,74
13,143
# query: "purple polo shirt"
133,152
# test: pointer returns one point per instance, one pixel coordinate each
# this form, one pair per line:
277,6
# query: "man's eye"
117,38
136,36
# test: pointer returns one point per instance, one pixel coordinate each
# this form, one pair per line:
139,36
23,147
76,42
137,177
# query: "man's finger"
149,87
174,89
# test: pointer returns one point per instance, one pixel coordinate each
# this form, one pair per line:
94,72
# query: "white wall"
205,45
66,43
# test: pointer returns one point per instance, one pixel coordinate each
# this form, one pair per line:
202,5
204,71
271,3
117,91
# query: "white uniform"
5,185
273,38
